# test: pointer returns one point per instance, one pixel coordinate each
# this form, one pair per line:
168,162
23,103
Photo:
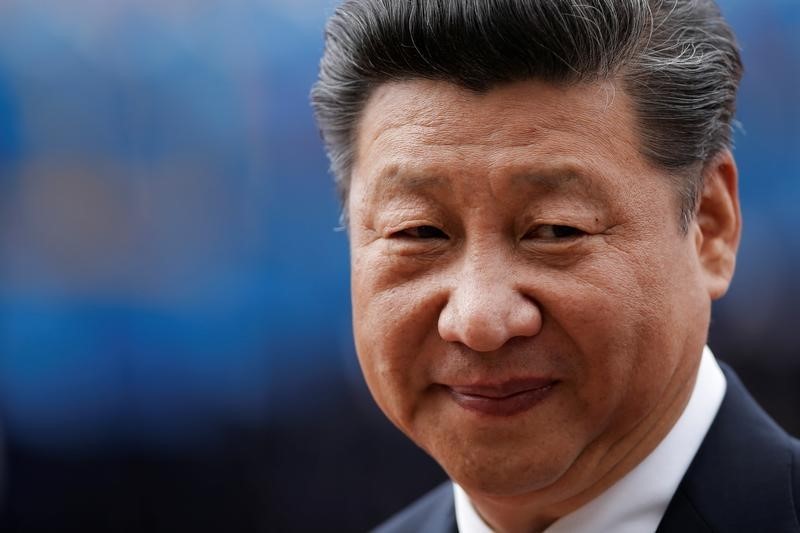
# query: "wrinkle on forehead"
493,118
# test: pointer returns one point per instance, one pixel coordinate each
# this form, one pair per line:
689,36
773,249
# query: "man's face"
526,307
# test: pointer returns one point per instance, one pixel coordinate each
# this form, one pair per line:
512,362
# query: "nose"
486,309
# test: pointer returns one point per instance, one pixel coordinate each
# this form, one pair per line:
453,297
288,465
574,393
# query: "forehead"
514,113
421,129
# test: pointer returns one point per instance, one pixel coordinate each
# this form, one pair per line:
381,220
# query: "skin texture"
519,234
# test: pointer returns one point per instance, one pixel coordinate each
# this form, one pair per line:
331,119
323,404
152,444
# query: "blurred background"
175,345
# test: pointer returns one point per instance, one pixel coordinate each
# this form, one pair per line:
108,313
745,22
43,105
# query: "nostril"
527,320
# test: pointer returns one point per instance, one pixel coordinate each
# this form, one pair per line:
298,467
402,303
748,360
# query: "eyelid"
573,232
402,230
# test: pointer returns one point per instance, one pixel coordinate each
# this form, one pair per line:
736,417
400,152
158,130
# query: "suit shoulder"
745,476
434,512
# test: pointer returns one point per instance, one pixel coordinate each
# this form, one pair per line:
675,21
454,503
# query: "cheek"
617,312
633,319
394,304
394,327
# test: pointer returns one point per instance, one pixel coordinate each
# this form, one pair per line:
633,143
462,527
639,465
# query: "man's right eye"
421,232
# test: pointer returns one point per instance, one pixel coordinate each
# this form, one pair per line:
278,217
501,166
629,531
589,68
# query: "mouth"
502,399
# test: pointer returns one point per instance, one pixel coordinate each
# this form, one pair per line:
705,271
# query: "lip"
502,399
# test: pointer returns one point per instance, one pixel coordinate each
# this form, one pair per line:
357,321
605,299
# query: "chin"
506,484
505,474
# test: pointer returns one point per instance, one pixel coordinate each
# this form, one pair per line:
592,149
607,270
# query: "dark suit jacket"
744,478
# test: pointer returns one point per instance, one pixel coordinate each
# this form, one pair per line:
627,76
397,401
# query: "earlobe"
719,222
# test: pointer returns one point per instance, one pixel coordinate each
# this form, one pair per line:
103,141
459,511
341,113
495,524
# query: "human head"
677,59
515,233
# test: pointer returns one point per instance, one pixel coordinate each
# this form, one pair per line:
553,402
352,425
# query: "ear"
719,223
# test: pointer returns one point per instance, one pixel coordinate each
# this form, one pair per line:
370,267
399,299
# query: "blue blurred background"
175,350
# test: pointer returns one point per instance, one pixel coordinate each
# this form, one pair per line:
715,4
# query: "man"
542,204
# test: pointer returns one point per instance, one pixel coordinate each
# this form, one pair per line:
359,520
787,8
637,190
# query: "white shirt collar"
637,502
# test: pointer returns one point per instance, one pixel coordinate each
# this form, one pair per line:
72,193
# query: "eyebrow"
394,180
551,179
418,181
559,178
548,180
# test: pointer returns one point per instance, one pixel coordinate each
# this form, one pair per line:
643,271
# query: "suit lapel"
682,517
433,513
741,477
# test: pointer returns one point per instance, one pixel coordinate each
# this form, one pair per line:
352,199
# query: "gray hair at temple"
677,59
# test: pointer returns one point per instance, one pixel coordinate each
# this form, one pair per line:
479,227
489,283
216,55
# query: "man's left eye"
554,232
